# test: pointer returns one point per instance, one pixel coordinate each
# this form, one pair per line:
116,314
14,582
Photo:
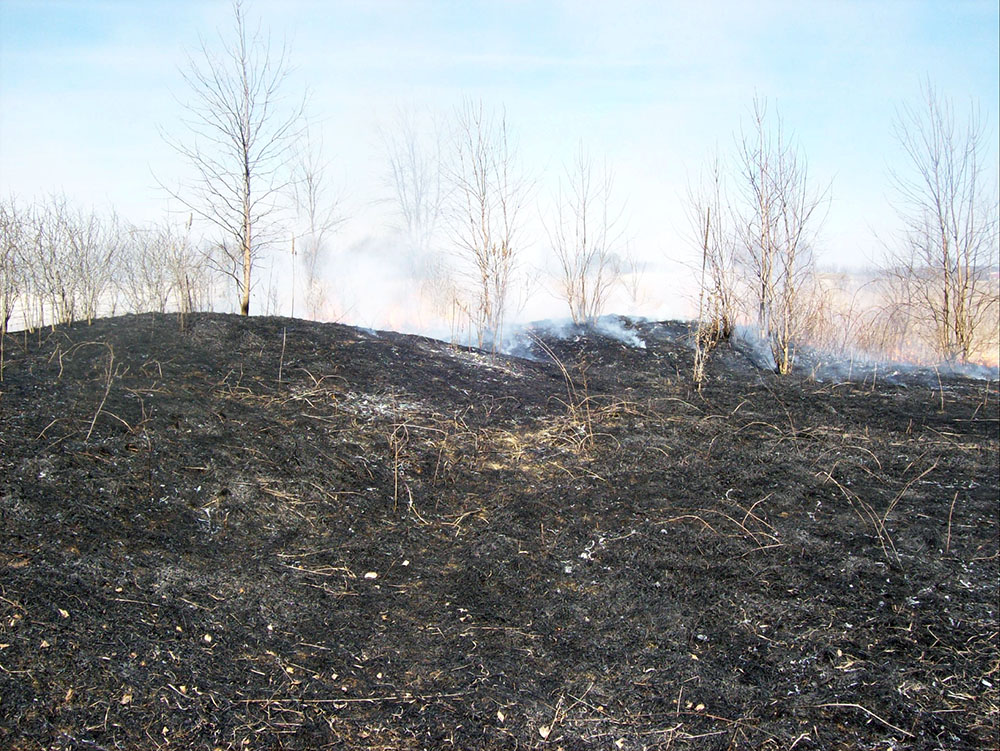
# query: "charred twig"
868,516
906,487
110,374
851,705
281,359
947,539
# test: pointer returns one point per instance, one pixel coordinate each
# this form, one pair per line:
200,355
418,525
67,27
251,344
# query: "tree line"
462,195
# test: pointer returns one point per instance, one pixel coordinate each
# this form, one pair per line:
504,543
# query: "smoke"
855,366
748,341
379,282
520,341
614,327
825,367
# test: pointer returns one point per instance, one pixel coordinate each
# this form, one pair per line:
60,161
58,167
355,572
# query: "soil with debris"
271,534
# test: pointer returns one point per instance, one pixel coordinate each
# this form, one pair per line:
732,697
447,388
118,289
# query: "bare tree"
948,204
632,274
776,227
414,175
487,196
319,216
240,136
585,237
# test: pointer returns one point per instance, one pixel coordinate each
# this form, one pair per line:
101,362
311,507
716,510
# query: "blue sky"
88,86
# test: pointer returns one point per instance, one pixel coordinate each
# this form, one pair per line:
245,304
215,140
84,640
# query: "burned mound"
267,533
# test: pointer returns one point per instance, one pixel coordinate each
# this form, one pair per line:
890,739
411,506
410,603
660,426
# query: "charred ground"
264,533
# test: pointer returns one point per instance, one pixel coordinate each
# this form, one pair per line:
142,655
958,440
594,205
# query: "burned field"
265,533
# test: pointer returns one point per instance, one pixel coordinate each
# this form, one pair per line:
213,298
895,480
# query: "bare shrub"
95,244
70,259
12,278
12,240
52,275
144,277
717,290
192,279
162,270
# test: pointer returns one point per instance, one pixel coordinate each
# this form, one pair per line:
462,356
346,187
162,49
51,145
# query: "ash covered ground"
271,534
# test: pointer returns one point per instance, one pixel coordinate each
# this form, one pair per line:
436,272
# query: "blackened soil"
266,533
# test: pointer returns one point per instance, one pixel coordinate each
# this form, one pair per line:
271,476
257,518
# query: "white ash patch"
380,405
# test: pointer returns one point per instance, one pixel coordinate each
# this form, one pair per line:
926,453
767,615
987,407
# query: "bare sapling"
949,246
319,214
487,194
776,228
717,294
585,238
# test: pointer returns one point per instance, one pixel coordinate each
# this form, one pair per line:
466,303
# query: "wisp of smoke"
613,327
854,366
520,338
747,339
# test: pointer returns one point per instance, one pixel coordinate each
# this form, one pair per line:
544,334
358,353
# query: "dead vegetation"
396,544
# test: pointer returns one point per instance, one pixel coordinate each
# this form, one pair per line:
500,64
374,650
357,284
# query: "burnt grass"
271,534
